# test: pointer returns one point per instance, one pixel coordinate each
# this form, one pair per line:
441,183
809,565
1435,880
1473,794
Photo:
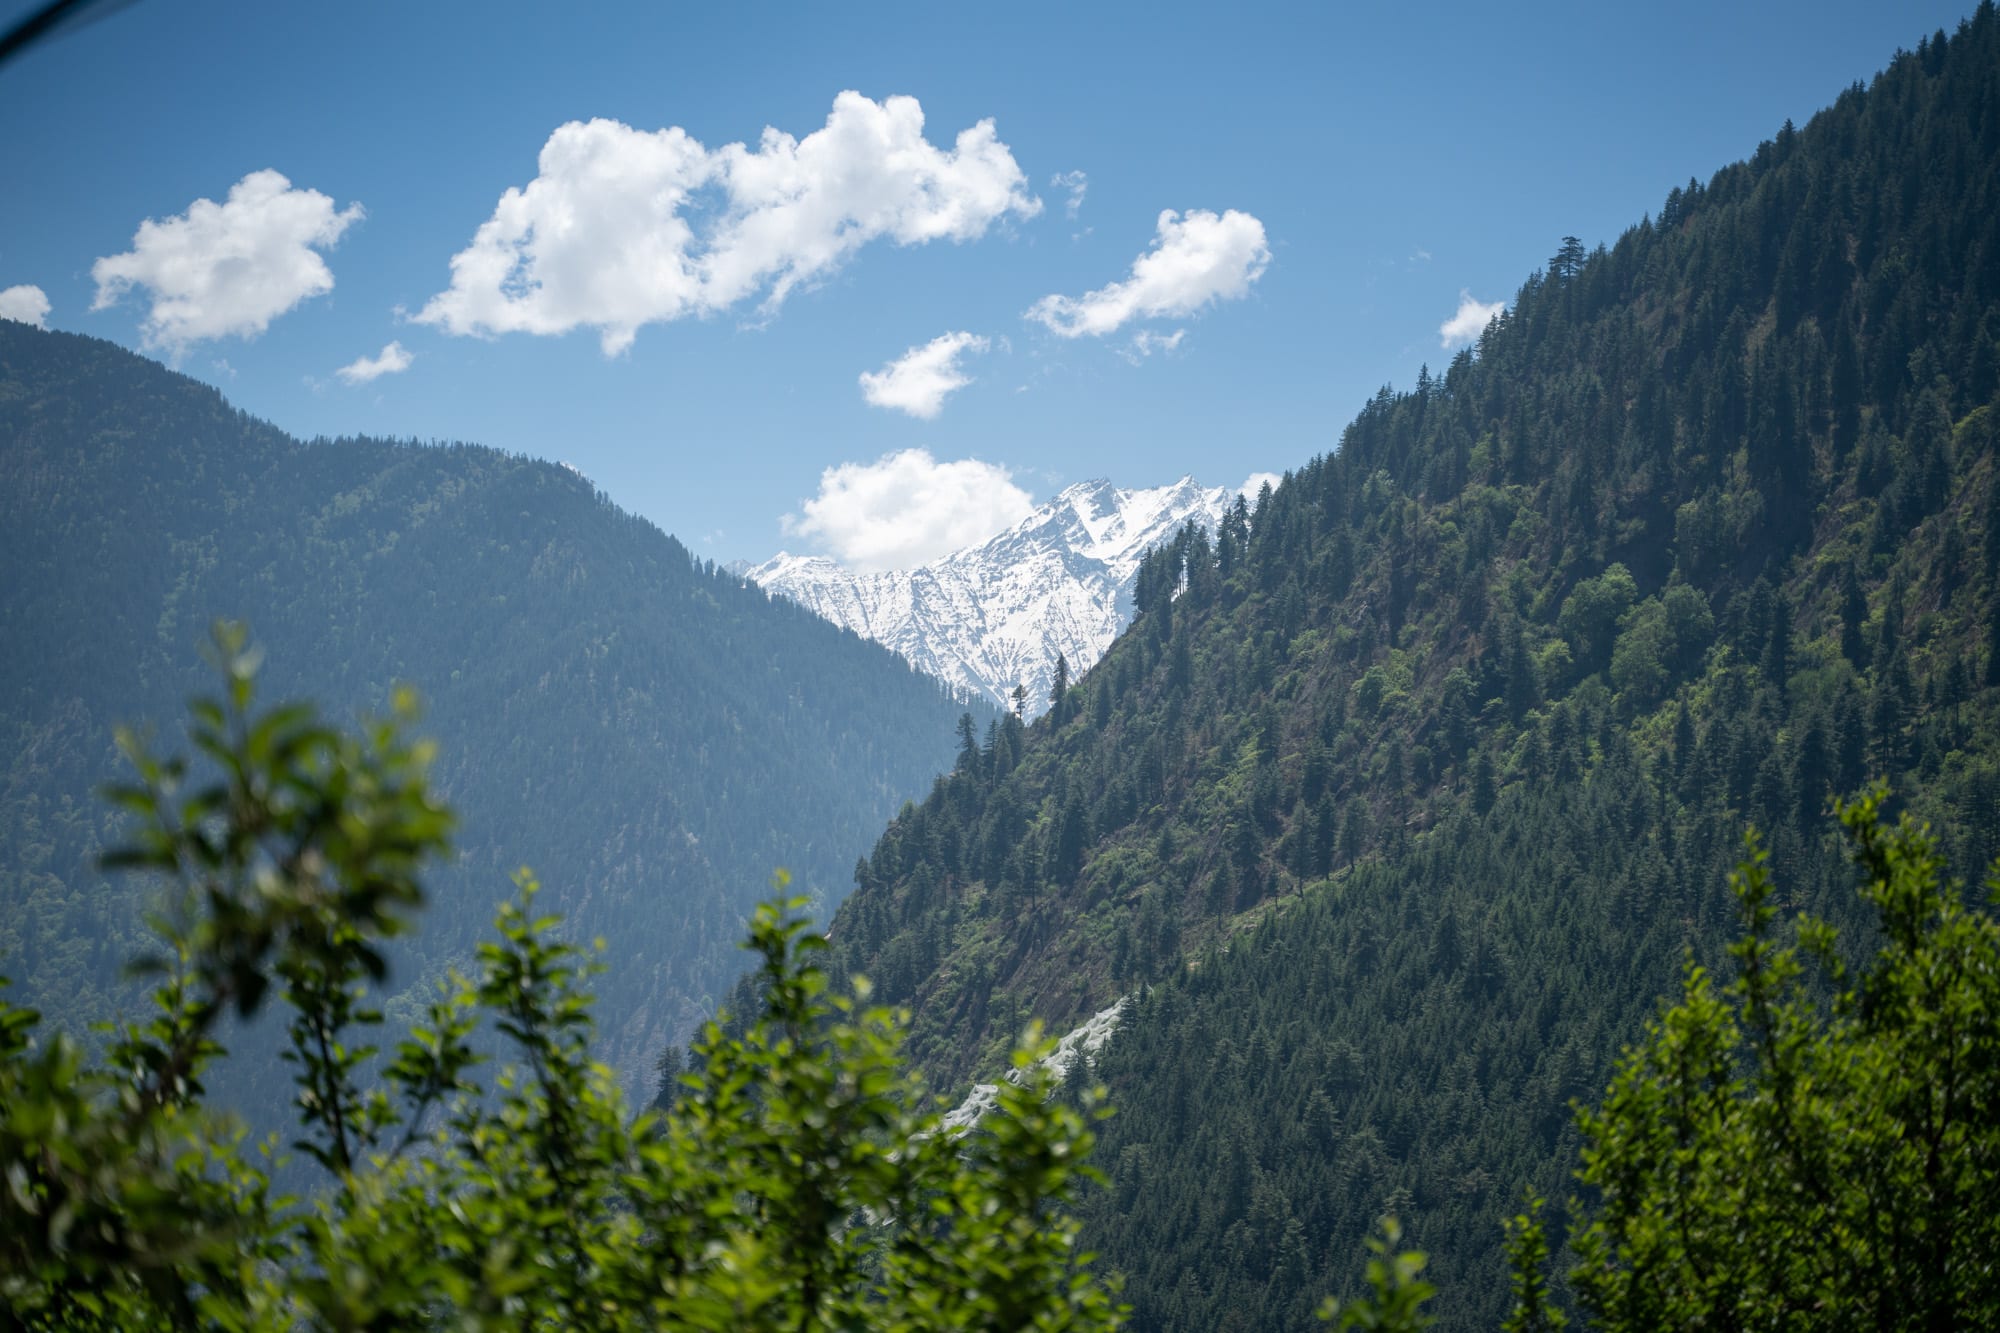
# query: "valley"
1548,837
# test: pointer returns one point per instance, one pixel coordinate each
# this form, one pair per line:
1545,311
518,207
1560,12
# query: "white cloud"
905,509
25,305
920,379
622,228
228,268
394,360
1146,342
1196,258
1471,319
1077,184
1256,482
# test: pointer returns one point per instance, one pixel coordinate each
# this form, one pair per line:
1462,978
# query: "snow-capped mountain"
995,615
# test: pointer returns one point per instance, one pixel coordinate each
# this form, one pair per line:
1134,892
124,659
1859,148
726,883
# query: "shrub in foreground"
798,1181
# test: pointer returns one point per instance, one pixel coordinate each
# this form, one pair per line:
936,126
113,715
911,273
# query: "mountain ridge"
650,735
1401,807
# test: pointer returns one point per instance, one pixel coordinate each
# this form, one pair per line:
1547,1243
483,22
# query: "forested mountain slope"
1405,797
651,736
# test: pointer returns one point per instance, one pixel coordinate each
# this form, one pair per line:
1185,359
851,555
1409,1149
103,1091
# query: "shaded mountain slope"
651,736
1405,797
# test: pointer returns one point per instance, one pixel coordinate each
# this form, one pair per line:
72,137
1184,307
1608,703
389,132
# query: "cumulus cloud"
1077,184
623,227
1197,258
228,268
919,381
1256,482
394,360
905,509
1470,320
25,304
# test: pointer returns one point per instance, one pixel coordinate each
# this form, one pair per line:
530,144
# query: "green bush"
797,1181
1780,1153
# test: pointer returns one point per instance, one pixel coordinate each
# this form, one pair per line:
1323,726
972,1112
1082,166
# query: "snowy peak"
996,615
1096,521
1136,521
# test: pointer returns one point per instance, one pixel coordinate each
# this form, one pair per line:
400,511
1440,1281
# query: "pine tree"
1991,545
1777,660
1520,675
1567,261
968,744
1853,619
1993,642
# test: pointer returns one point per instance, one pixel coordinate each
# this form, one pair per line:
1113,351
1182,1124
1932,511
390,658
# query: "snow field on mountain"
996,615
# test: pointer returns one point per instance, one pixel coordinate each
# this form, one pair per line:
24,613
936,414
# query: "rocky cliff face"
996,615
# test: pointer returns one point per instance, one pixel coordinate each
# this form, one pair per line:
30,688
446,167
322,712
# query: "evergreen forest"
1407,798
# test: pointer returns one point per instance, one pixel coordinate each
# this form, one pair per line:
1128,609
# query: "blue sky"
1280,208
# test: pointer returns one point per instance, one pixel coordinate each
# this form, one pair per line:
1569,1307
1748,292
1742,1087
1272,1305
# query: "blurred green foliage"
798,1181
